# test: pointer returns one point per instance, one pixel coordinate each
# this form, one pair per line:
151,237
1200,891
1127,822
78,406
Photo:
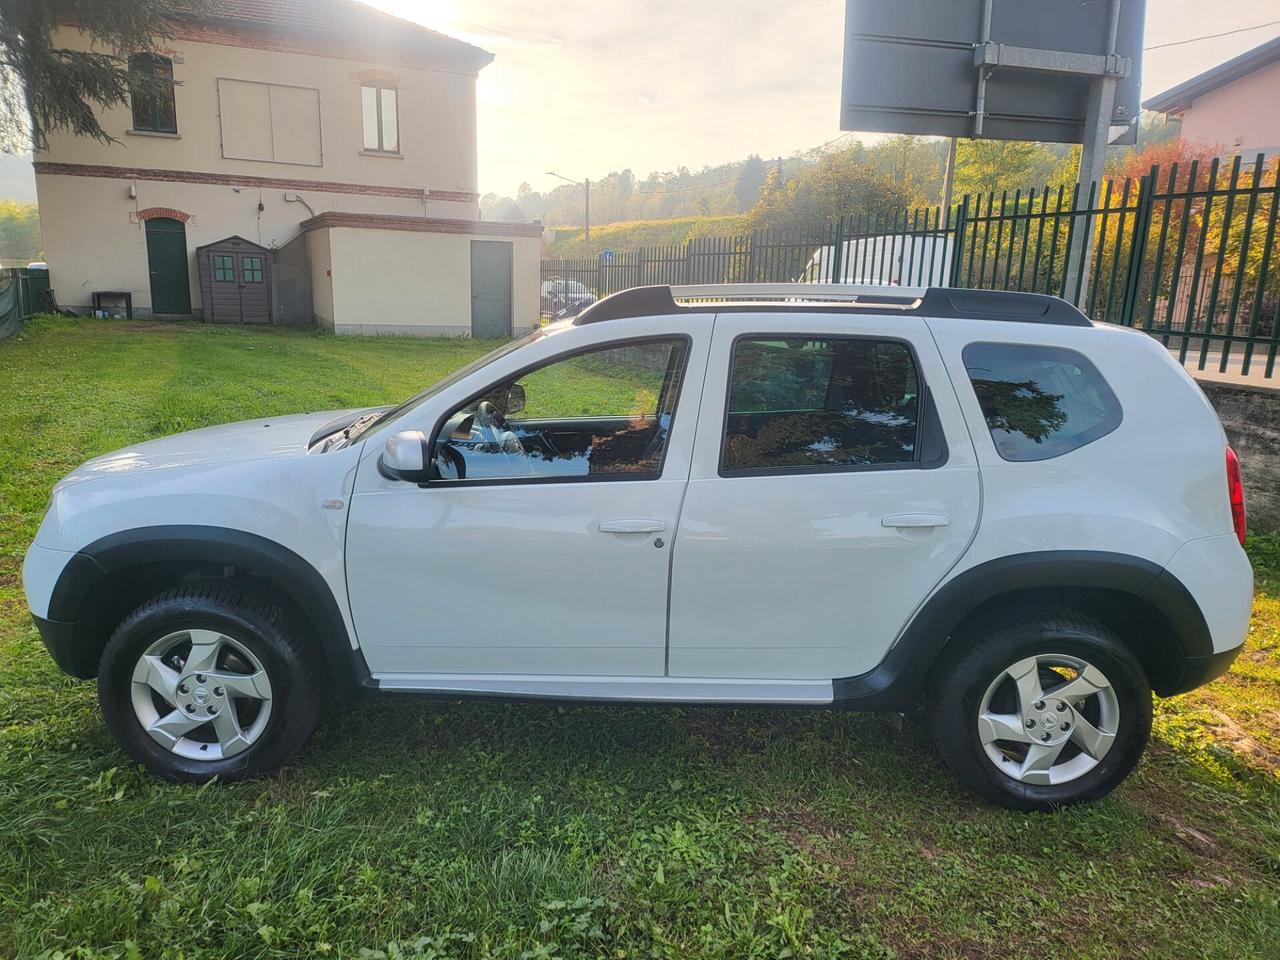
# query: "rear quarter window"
1040,402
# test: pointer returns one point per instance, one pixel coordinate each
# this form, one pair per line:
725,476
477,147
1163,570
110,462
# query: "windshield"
396,412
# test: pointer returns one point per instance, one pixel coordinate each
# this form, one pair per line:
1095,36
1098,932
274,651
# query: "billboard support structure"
1000,69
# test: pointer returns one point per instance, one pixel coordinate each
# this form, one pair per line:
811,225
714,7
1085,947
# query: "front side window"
602,414
151,93
1040,402
819,403
223,269
381,111
251,269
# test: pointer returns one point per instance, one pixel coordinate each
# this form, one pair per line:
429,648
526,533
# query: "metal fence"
23,292
1188,254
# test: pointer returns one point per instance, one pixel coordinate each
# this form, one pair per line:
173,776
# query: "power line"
1211,36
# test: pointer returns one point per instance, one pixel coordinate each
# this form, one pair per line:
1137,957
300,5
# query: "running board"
611,689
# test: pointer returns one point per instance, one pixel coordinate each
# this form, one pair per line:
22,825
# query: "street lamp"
586,185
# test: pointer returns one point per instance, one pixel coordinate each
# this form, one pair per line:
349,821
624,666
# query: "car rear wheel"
209,681
1039,708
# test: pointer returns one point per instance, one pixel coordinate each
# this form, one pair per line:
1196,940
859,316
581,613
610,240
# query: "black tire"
296,676
976,658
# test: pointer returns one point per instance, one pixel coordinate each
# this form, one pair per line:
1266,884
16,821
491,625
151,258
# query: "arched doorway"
167,261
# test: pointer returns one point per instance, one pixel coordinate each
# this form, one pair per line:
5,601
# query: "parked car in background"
868,498
563,298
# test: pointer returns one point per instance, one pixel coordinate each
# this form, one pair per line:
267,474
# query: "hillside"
628,235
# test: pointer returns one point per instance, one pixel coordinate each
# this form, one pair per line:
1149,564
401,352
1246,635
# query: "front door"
167,261
544,547
833,485
491,288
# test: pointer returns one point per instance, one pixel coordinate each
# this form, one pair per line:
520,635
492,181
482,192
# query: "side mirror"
515,399
406,456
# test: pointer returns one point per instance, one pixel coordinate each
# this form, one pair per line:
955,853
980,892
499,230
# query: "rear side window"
812,404
1040,402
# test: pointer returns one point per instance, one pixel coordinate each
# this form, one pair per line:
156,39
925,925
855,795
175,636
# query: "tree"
19,231
751,177
991,166
46,88
840,184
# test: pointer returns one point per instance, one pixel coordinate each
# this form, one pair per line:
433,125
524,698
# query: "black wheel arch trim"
260,556
896,682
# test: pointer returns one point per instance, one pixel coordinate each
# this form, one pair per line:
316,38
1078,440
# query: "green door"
490,288
167,261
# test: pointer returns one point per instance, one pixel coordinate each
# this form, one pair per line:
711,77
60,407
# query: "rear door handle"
632,526
915,520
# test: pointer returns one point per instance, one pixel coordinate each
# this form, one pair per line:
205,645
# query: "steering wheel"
491,423
495,430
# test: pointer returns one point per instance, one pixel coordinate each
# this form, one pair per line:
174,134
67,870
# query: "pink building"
1233,105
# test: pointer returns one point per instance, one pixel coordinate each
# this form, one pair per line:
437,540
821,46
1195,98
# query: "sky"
583,88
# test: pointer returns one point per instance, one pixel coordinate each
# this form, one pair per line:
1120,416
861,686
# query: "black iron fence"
1188,254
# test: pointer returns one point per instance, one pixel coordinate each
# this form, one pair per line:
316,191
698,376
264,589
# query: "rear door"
833,485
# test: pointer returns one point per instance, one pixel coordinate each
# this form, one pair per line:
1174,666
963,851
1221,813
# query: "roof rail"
808,292
934,302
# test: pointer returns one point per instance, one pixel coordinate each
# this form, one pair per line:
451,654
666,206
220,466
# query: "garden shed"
235,281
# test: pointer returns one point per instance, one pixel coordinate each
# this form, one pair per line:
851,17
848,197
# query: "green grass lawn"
435,829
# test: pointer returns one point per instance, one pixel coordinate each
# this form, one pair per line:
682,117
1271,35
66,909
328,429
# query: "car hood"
273,437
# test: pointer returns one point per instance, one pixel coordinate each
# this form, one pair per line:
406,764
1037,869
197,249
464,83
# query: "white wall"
398,281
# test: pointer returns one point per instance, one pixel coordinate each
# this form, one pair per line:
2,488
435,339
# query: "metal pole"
980,106
1093,158
587,217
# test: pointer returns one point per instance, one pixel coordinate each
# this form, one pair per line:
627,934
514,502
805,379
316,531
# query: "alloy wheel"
201,694
1048,719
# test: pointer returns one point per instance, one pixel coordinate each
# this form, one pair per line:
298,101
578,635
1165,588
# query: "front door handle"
632,526
915,520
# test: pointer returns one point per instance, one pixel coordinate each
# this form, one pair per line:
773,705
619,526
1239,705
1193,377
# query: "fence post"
957,244
837,259
1138,248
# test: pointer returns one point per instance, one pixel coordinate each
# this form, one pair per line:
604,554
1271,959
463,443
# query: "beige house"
338,143
1232,105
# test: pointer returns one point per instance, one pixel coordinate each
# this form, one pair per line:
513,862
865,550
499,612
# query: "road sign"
606,257
998,69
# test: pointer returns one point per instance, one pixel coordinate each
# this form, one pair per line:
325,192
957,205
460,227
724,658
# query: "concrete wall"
1251,417
93,232
408,282
1241,116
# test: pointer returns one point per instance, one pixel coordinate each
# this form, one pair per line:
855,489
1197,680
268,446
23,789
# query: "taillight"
1235,491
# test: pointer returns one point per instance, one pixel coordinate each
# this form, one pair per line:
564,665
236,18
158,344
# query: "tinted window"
223,271
1040,402
604,413
809,403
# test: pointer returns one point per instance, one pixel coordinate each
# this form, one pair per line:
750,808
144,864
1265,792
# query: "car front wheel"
1039,709
209,681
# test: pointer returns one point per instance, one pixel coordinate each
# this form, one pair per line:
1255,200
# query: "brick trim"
151,213
238,180
376,221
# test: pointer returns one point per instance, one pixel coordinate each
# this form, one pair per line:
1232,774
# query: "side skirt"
690,690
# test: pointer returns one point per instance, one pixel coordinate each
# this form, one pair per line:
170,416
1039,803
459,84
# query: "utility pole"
949,181
586,185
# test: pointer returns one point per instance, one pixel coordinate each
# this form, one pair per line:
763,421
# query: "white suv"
814,496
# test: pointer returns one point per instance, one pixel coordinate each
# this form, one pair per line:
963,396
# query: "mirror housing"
406,456
515,399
